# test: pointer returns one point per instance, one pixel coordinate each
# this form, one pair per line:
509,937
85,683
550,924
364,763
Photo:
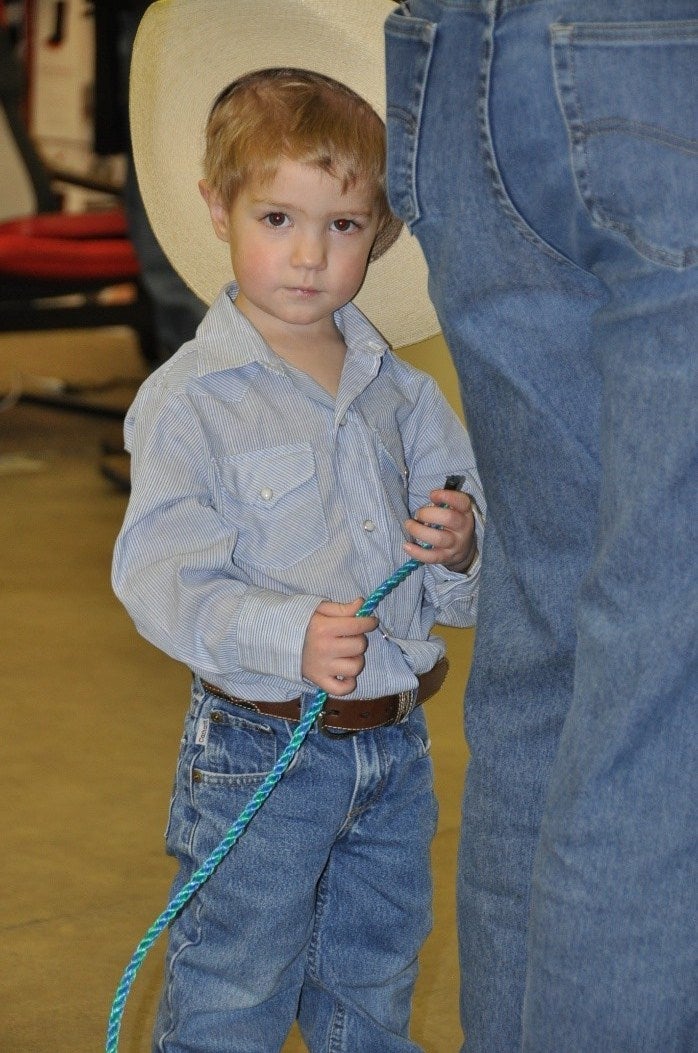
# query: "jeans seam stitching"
337,1028
320,904
498,189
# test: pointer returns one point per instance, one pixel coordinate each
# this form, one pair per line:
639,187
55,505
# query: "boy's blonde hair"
302,116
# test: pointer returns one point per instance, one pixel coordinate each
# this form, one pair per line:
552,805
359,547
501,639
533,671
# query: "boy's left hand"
449,531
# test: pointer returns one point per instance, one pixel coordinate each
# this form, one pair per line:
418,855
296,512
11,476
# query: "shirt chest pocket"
394,474
272,498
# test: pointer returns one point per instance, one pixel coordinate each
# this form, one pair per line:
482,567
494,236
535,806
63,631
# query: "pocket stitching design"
563,36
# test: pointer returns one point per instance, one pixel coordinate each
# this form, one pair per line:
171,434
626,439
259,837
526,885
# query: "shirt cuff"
456,584
271,632
473,571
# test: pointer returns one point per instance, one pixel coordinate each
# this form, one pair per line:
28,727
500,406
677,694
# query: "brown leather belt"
349,715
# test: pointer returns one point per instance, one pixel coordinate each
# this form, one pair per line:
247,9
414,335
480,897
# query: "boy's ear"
217,211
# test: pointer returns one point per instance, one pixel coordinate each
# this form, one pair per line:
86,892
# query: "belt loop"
406,702
331,733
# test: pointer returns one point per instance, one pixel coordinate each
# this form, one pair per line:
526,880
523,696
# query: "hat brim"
185,53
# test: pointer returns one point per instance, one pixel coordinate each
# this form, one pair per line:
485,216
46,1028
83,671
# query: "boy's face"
298,245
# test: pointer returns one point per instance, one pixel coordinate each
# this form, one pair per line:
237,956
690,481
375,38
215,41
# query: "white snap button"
266,493
369,525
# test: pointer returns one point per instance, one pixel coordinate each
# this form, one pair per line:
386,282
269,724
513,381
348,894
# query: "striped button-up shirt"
256,494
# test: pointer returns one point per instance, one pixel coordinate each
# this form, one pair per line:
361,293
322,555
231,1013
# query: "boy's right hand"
335,643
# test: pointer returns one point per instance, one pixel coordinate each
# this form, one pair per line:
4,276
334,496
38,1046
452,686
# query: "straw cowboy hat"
186,52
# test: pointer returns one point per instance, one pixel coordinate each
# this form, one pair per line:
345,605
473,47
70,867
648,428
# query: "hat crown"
170,102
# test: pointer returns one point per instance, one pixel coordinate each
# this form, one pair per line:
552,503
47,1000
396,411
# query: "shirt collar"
227,340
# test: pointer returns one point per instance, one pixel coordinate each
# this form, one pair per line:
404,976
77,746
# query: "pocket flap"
264,477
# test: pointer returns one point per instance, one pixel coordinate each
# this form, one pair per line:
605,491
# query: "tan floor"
91,726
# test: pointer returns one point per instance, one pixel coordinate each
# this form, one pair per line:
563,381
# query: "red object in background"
69,247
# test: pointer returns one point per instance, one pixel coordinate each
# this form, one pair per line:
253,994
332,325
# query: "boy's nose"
309,251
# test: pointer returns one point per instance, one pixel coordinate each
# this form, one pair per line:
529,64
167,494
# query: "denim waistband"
503,7
500,7
650,10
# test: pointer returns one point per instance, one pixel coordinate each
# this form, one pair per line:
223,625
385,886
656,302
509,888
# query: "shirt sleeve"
437,445
172,567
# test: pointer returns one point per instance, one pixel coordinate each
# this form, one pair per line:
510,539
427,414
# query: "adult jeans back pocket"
409,44
627,92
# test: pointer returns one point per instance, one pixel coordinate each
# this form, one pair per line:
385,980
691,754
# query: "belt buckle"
406,701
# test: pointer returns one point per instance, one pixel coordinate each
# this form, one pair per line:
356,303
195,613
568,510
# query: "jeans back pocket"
627,92
409,43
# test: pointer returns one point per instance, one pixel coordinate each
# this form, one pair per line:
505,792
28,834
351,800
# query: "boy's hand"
335,643
449,531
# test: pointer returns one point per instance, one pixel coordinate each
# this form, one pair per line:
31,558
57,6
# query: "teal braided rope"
251,808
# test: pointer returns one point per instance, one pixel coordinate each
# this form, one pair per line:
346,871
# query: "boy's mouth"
302,291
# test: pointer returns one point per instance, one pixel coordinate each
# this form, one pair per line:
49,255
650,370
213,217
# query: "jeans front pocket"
416,729
236,756
236,750
627,92
409,43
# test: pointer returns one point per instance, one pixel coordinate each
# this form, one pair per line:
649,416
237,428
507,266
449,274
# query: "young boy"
284,463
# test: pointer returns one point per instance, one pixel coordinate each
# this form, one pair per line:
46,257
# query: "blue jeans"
320,909
544,153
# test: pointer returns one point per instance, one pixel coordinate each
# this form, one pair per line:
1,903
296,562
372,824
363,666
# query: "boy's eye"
343,225
276,219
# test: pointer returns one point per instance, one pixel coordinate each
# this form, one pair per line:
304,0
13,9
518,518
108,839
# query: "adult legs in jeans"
543,154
